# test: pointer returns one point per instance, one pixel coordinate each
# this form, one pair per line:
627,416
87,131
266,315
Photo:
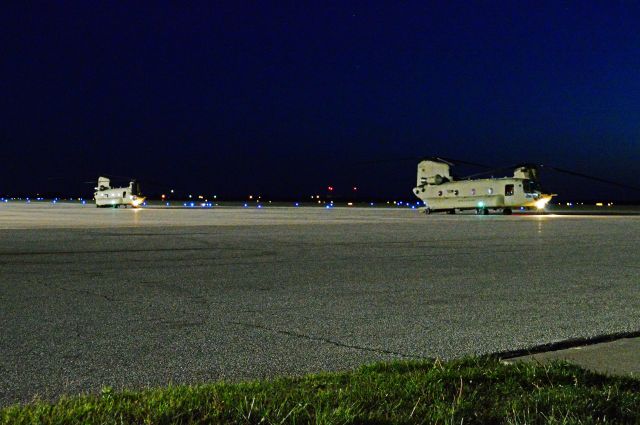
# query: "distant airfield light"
598,204
171,190
190,196
350,204
245,205
296,204
371,203
330,188
355,188
163,196
200,197
259,206
250,196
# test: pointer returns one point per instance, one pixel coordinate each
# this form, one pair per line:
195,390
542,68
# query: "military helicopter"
107,196
440,192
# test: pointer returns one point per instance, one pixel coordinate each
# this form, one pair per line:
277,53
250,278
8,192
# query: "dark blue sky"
285,98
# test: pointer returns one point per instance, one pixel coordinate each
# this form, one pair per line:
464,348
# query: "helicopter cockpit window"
531,186
508,190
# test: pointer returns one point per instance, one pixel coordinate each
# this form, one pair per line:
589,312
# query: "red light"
330,188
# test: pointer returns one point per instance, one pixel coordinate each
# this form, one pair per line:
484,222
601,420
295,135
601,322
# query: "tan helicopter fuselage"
440,192
107,196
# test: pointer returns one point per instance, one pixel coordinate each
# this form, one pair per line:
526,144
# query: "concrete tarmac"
619,357
134,298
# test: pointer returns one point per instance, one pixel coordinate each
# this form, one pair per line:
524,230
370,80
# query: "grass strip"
473,390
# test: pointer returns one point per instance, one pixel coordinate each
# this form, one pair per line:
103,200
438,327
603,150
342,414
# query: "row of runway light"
328,205
258,204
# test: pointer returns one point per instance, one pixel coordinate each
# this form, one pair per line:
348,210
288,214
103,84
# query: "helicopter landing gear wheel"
507,211
482,211
427,211
451,211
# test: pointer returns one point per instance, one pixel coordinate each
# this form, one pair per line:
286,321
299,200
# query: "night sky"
286,98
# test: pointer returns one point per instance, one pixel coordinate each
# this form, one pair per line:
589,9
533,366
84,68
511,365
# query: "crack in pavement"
326,341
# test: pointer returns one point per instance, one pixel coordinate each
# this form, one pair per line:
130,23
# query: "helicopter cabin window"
124,194
531,186
508,190
473,192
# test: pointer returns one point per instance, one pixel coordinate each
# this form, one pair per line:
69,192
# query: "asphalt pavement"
135,298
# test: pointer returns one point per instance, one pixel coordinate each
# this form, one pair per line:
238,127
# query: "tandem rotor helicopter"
441,192
114,197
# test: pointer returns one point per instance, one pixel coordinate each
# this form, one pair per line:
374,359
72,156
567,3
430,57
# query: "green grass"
465,391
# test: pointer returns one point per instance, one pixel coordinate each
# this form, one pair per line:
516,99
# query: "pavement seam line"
325,340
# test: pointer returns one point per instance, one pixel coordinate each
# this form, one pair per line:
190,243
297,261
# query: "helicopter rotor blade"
594,178
460,161
559,170
486,172
452,161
